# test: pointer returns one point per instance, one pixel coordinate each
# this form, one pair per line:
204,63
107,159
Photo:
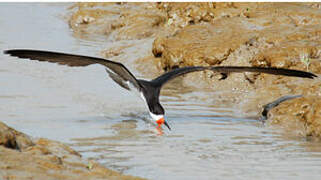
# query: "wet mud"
284,35
24,157
213,136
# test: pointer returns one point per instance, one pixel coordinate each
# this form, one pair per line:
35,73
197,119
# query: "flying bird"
149,90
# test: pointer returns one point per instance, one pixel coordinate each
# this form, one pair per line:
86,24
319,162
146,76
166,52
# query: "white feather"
155,116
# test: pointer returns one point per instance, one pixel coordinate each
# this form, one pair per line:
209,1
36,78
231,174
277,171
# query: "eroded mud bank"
283,35
22,157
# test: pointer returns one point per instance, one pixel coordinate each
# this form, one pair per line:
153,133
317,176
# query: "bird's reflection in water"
159,130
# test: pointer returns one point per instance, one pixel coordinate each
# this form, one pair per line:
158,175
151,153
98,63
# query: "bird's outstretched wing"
117,71
162,79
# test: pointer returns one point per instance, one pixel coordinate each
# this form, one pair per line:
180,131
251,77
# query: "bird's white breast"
155,116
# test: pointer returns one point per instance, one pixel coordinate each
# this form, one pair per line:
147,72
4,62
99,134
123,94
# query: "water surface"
84,108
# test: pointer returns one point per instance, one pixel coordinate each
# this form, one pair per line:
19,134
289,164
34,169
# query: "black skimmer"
149,90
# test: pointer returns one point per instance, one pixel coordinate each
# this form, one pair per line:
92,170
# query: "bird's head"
159,119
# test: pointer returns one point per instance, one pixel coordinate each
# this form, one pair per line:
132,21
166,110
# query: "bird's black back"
151,93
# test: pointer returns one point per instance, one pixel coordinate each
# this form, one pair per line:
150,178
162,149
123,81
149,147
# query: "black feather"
151,89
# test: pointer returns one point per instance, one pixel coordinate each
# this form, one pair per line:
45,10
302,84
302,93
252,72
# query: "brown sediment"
116,51
13,139
240,34
154,66
124,21
24,158
301,116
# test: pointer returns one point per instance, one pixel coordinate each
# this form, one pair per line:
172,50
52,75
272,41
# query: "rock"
208,44
266,34
184,14
285,35
300,116
289,48
138,25
87,21
45,159
130,21
154,66
13,139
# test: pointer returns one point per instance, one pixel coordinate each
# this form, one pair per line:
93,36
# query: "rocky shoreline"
284,35
23,157
169,35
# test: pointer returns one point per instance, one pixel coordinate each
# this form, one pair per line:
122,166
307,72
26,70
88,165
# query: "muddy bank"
302,115
22,157
285,35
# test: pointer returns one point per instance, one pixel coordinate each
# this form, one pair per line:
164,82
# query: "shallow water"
84,108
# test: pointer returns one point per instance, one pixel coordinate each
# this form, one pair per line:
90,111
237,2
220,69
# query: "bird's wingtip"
13,51
312,76
10,51
6,52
